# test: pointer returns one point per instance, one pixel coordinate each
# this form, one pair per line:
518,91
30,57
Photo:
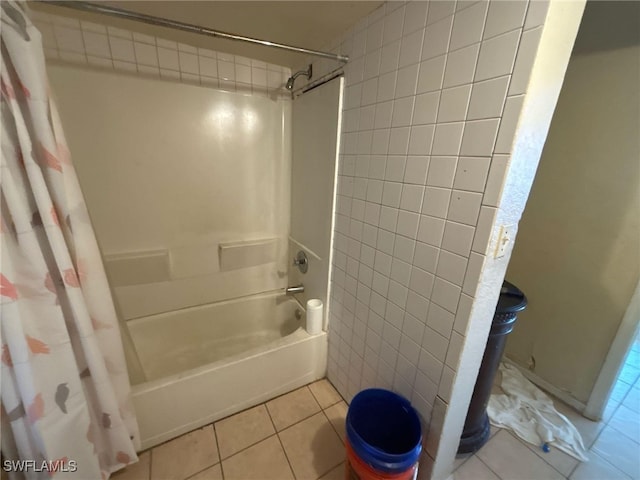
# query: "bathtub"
207,362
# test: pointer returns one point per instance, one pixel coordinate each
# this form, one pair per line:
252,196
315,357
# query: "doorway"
576,256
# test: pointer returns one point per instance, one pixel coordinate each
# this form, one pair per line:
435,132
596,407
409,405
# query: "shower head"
307,73
290,83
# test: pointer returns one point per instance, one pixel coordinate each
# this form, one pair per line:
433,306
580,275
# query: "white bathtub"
205,363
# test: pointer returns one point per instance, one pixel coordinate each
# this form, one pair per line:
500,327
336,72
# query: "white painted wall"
315,129
175,170
577,255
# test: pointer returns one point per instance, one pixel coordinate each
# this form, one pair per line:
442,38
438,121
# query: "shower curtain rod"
187,27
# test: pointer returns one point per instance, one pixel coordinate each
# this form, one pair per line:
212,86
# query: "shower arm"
308,72
187,27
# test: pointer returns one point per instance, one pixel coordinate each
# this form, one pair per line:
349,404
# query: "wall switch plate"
504,239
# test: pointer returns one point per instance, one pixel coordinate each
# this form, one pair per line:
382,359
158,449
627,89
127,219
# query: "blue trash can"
384,436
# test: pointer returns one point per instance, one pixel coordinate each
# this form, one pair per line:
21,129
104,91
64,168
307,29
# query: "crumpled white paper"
530,414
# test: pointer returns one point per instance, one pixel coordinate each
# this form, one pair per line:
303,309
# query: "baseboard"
547,387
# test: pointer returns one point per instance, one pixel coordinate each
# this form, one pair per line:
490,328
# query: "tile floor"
614,443
296,436
299,436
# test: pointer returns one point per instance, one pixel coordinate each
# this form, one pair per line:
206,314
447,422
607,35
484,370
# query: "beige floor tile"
609,410
587,428
629,374
559,460
632,400
337,415
184,456
474,469
137,471
335,474
243,430
510,459
213,473
597,469
627,422
292,407
619,450
460,460
264,461
425,467
619,391
324,392
313,447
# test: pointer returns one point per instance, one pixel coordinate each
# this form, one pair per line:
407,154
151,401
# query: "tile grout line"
333,427
280,442
590,449
342,441
607,424
299,421
607,462
488,467
619,432
272,423
465,461
220,459
215,436
316,398
246,448
150,463
206,468
526,445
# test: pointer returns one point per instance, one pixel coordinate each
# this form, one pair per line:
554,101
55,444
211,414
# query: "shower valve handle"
301,261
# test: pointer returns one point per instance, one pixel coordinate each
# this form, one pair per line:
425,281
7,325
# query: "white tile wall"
487,98
441,171
426,108
70,40
461,66
503,17
453,104
468,26
471,173
436,38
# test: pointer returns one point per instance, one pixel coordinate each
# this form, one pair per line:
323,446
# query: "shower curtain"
64,385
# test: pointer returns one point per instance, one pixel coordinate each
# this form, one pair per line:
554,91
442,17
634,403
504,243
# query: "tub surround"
165,250
218,359
315,138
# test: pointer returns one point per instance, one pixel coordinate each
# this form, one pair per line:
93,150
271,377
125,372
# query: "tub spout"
295,289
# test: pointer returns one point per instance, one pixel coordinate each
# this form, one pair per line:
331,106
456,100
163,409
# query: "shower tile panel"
86,43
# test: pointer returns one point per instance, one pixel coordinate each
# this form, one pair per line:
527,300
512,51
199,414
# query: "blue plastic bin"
384,431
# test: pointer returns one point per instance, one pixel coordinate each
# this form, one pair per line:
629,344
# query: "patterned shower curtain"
64,384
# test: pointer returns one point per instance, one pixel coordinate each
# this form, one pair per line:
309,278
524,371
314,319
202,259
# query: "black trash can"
476,426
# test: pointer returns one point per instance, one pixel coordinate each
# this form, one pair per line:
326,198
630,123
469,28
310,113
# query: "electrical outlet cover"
504,239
